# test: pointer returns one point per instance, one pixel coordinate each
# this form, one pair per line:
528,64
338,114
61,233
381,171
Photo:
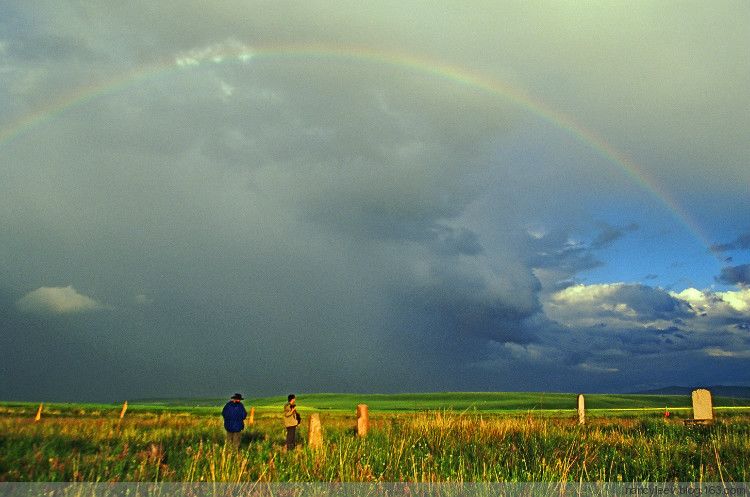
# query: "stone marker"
252,416
703,409
315,432
581,410
363,420
39,412
124,408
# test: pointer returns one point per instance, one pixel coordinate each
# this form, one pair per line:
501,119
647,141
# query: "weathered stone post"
315,432
581,410
39,412
363,420
251,420
703,409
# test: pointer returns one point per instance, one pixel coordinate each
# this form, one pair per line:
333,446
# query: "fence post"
252,416
39,413
124,408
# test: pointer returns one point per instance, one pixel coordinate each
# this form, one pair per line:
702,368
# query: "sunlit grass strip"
426,446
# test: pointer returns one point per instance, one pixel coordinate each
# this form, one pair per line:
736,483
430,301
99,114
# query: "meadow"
420,438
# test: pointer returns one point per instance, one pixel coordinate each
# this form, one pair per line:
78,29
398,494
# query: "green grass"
426,437
459,401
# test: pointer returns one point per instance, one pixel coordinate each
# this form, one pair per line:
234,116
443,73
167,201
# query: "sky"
199,198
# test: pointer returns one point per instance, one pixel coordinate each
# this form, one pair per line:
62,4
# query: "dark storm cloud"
469,305
357,222
735,275
257,213
452,241
55,356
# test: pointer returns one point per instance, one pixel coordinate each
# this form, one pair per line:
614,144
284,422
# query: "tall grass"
422,447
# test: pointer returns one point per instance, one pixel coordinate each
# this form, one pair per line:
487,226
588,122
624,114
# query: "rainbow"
241,53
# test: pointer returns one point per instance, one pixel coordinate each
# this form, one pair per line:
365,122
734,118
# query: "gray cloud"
610,234
739,243
735,275
557,250
560,255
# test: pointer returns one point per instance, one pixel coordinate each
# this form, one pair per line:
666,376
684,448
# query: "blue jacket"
234,413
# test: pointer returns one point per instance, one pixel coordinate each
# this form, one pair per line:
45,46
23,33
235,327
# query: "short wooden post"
363,420
581,410
315,432
124,409
39,413
251,421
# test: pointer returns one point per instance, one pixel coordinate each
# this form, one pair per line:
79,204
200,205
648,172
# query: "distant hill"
716,391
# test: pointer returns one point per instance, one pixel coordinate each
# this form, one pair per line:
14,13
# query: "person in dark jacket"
234,414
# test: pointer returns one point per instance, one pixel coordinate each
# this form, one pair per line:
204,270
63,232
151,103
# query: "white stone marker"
363,420
703,409
315,432
581,410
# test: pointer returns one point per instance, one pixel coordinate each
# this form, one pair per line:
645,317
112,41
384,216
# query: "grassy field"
431,437
456,401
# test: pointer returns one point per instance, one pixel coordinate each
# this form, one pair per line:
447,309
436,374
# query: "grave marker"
581,410
363,420
703,409
315,432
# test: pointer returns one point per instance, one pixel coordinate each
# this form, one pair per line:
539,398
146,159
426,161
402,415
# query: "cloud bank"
361,221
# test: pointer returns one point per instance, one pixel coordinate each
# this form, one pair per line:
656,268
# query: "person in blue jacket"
234,414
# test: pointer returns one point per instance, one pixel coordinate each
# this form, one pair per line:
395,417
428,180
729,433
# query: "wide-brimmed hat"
237,396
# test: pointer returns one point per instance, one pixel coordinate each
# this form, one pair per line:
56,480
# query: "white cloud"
621,306
740,301
717,304
585,294
57,300
715,310
718,352
615,305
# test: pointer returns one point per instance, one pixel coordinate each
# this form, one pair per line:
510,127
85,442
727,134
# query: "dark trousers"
234,438
291,437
